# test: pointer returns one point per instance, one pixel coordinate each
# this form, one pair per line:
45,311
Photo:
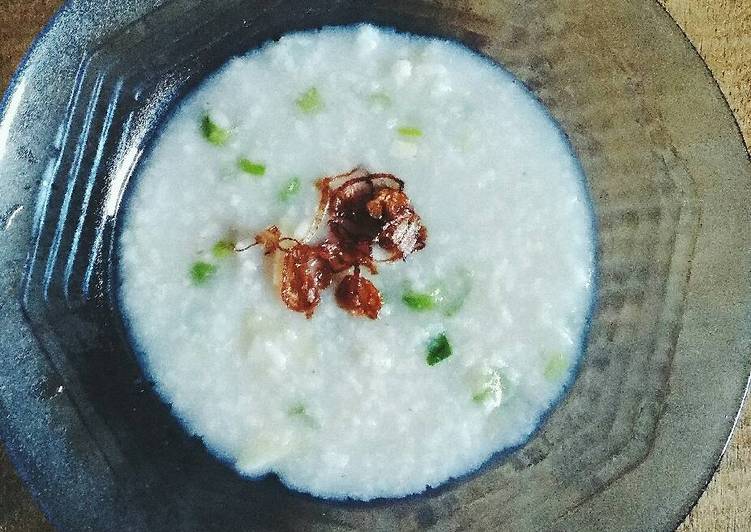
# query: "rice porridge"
467,342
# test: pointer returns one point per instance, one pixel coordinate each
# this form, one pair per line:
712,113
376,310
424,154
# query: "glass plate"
666,366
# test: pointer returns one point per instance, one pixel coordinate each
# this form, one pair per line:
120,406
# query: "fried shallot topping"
304,274
363,210
269,239
358,295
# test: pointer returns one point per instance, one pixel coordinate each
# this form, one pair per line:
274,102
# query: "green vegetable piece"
223,249
201,272
409,131
212,132
380,99
492,390
482,396
298,411
310,101
448,297
454,298
439,349
290,189
555,367
251,167
419,301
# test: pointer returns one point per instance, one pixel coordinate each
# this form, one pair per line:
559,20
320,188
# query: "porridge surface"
341,406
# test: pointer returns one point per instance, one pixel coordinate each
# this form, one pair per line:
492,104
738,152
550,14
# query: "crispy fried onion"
362,210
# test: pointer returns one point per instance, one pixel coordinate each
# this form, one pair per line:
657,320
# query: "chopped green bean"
212,132
555,367
299,411
439,349
251,167
447,296
492,389
201,271
290,189
482,396
419,301
310,101
456,295
380,99
223,249
409,131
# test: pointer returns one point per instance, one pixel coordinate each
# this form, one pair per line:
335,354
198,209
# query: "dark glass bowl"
666,363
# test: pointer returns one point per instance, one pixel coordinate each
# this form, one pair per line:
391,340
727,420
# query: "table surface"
721,32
